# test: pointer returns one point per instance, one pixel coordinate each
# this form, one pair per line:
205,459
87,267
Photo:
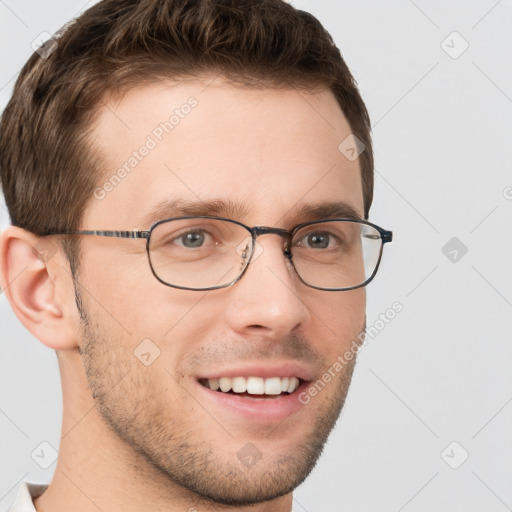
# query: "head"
147,110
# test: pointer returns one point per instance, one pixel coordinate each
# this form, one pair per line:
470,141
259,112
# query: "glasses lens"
336,254
199,253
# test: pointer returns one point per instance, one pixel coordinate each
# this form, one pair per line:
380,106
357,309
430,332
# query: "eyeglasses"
207,253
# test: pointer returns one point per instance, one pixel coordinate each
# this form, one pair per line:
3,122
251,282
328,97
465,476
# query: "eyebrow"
226,208
182,208
324,210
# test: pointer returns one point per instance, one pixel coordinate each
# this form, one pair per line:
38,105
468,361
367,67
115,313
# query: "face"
151,352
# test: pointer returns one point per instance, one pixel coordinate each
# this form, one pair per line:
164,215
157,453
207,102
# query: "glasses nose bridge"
257,231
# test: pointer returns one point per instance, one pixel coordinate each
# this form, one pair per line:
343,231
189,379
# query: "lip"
263,370
266,410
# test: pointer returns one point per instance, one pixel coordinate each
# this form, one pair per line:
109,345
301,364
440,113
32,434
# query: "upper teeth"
255,385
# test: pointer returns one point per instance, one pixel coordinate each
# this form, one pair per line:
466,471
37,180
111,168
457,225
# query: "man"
188,184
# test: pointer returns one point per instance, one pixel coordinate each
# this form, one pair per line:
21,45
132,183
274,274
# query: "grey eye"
316,240
192,239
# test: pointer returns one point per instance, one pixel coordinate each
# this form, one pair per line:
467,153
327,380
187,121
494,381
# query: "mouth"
258,394
255,388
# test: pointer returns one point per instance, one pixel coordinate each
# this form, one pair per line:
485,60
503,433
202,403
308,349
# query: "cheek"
122,285
176,321
337,318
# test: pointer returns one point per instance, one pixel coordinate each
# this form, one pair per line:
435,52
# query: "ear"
35,276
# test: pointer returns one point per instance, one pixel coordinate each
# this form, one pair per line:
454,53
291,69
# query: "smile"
254,392
272,386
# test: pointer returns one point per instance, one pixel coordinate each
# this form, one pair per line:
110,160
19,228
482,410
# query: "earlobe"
33,278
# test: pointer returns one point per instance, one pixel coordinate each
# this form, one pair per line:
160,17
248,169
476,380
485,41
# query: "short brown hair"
47,169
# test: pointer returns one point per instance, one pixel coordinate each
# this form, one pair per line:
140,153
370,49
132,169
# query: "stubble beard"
123,398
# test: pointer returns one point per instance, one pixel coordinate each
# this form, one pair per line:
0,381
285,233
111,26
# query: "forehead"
268,152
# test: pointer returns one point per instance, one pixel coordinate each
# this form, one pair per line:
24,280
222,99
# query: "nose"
267,299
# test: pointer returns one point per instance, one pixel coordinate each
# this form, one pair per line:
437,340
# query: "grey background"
440,371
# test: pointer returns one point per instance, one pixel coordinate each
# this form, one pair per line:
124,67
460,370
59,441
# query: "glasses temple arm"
110,233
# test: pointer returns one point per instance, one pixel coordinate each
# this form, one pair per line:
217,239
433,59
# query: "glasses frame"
256,231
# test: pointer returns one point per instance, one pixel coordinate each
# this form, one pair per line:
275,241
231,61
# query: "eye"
193,239
317,240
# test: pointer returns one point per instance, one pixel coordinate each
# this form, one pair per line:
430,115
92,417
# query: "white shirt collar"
27,492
